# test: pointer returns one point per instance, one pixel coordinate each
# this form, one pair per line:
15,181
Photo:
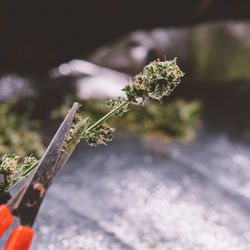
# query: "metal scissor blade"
27,202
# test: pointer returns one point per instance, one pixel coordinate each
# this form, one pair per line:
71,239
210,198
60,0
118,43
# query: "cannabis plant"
157,80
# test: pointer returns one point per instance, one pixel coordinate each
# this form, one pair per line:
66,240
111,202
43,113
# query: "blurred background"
177,174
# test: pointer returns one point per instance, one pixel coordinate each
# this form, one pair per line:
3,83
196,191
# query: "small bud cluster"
158,79
114,103
102,134
11,169
76,131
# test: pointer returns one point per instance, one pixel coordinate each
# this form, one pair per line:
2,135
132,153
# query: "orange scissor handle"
6,218
20,238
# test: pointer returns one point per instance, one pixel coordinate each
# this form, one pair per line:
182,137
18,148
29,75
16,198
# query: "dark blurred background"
36,36
177,174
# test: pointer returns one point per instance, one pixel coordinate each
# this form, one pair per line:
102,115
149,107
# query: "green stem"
26,173
107,116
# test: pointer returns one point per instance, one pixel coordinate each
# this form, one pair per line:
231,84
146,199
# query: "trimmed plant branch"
157,80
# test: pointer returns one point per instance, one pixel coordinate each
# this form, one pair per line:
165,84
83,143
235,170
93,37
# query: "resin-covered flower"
102,134
11,169
157,80
116,102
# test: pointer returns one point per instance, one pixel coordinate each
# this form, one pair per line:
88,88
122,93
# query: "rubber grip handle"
20,238
6,218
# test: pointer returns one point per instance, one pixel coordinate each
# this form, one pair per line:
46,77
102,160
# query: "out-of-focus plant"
17,132
173,120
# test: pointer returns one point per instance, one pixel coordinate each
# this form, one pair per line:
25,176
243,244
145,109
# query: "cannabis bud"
76,131
11,169
157,80
8,169
102,134
114,103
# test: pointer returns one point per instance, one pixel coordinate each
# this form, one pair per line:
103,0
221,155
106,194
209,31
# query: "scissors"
26,203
